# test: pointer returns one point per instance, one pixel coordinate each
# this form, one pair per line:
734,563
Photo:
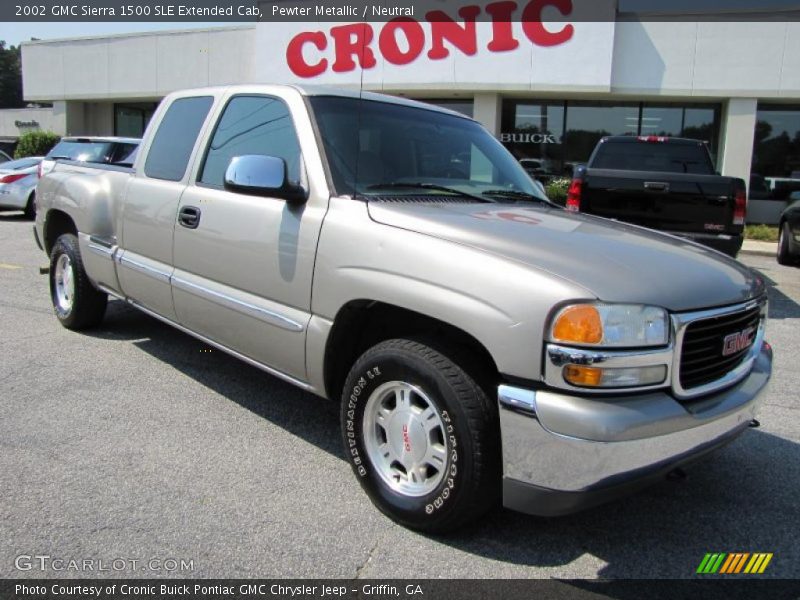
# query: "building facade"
547,89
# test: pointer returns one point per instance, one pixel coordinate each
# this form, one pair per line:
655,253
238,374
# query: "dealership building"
547,87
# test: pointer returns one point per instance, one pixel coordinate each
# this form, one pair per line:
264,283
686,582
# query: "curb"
756,252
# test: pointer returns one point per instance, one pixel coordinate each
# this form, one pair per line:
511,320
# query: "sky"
14,33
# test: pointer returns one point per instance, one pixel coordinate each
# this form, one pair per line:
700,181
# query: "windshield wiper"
421,185
518,195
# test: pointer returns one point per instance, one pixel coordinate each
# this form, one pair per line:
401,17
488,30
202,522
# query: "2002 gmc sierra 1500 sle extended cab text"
393,256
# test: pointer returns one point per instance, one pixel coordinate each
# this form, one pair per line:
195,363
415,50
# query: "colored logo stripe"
734,563
711,563
758,563
731,563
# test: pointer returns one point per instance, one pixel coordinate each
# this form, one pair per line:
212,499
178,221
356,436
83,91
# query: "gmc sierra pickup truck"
484,344
663,183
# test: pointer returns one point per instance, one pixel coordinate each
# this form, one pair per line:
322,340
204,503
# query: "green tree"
10,77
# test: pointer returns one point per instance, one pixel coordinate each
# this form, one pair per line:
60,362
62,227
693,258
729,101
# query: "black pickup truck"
663,183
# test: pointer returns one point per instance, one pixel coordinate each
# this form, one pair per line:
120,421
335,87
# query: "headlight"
611,325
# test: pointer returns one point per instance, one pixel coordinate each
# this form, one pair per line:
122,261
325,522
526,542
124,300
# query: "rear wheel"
785,256
76,302
421,435
30,207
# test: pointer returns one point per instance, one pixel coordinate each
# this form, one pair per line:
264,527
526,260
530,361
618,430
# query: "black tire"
471,478
30,207
785,256
88,305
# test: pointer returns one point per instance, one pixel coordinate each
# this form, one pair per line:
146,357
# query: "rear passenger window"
252,125
172,144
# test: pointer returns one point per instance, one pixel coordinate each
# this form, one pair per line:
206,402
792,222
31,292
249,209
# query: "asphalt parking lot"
135,442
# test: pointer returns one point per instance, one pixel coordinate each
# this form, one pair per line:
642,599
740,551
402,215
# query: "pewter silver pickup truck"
485,345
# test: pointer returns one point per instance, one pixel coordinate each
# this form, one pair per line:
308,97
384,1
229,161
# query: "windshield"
377,148
96,152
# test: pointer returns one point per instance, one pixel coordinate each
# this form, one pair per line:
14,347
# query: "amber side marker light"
626,377
581,324
583,376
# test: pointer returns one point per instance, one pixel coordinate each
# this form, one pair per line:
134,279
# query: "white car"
18,179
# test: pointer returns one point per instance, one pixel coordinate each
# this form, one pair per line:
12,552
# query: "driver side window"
252,125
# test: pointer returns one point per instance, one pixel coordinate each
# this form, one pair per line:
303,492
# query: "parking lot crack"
370,554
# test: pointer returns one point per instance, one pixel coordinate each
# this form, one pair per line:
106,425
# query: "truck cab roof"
101,138
315,90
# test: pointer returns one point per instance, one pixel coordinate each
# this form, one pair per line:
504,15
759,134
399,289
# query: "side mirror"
260,175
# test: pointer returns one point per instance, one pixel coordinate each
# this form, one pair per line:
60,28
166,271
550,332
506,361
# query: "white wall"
582,63
137,65
47,119
747,60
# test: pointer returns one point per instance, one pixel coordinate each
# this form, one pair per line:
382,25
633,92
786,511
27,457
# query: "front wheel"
421,435
76,302
785,256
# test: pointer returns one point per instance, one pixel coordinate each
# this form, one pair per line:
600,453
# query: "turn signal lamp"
579,324
740,207
597,377
583,376
574,195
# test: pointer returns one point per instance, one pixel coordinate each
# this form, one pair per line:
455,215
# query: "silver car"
18,179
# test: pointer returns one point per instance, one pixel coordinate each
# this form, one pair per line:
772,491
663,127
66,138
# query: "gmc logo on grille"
736,342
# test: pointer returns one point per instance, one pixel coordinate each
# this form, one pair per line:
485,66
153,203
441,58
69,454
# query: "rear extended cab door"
145,263
244,263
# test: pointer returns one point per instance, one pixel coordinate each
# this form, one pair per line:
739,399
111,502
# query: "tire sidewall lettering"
356,395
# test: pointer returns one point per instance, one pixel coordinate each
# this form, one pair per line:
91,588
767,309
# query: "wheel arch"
56,224
360,324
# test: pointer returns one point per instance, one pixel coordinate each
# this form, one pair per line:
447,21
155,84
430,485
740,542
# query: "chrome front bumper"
563,453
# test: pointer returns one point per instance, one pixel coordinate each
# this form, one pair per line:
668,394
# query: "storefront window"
776,154
698,122
552,137
130,120
588,122
537,135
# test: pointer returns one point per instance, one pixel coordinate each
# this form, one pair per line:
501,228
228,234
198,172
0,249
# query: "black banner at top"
227,11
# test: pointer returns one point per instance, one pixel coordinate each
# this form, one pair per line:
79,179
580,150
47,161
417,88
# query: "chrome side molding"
258,312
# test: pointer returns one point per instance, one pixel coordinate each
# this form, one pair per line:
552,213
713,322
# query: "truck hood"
614,261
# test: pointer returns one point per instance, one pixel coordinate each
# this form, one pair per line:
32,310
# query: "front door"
243,263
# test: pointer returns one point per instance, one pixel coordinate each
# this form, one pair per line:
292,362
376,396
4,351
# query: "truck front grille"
703,357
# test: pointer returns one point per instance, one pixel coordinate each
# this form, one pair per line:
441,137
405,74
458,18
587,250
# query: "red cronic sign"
402,40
